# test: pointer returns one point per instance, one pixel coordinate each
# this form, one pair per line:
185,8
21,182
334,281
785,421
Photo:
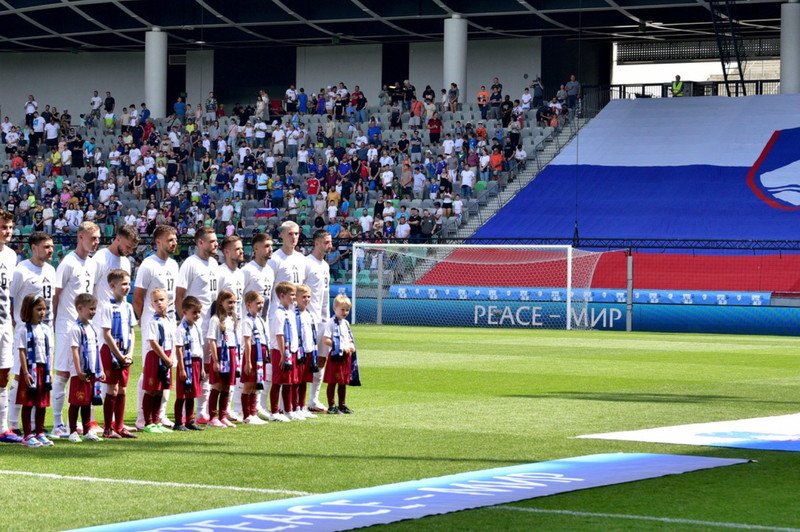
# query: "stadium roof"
60,25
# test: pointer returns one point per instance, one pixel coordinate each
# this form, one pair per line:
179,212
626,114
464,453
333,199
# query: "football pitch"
438,401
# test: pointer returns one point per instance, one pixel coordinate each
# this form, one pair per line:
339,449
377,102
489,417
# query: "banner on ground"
348,510
777,433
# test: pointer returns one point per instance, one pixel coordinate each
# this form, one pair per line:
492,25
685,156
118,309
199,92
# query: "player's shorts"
215,377
253,376
196,389
113,376
7,348
304,375
40,399
81,393
63,349
280,375
153,382
338,372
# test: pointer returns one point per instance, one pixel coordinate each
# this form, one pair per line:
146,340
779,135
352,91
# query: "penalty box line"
152,483
738,526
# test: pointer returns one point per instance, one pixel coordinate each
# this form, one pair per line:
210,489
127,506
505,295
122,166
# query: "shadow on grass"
649,398
114,450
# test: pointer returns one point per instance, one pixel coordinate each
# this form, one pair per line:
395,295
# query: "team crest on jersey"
80,396
775,176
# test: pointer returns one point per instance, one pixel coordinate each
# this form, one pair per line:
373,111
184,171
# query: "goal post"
470,285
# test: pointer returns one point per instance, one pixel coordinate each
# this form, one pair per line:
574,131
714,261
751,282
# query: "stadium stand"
96,142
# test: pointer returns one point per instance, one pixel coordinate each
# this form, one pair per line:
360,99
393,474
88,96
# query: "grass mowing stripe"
672,520
151,483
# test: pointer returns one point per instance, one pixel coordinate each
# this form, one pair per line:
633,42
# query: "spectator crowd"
398,169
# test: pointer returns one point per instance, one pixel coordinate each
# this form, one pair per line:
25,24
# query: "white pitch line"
738,526
151,483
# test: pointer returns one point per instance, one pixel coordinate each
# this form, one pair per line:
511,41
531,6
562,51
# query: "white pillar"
455,55
790,47
155,72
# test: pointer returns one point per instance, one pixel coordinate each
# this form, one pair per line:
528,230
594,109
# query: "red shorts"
230,379
41,399
113,376
196,390
81,393
304,375
279,375
253,376
337,372
152,381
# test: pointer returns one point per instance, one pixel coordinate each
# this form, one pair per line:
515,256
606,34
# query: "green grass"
442,401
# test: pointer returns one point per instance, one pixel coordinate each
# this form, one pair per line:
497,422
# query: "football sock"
119,412
4,410
213,399
140,419
109,405
342,393
13,408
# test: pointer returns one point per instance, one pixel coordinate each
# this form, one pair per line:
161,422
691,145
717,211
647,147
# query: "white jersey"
156,273
230,337
199,278
195,339
40,332
93,345
318,278
260,280
233,281
74,276
345,336
104,262
31,279
277,326
105,319
309,331
153,333
8,261
255,327
290,268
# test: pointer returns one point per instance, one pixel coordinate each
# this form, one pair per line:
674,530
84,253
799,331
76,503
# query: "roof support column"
790,47
455,55
155,72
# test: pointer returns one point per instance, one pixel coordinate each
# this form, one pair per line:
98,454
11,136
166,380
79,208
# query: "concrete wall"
320,66
507,59
67,80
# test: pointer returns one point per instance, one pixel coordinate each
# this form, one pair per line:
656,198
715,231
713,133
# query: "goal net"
471,285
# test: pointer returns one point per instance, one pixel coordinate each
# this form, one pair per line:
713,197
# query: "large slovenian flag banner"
702,168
